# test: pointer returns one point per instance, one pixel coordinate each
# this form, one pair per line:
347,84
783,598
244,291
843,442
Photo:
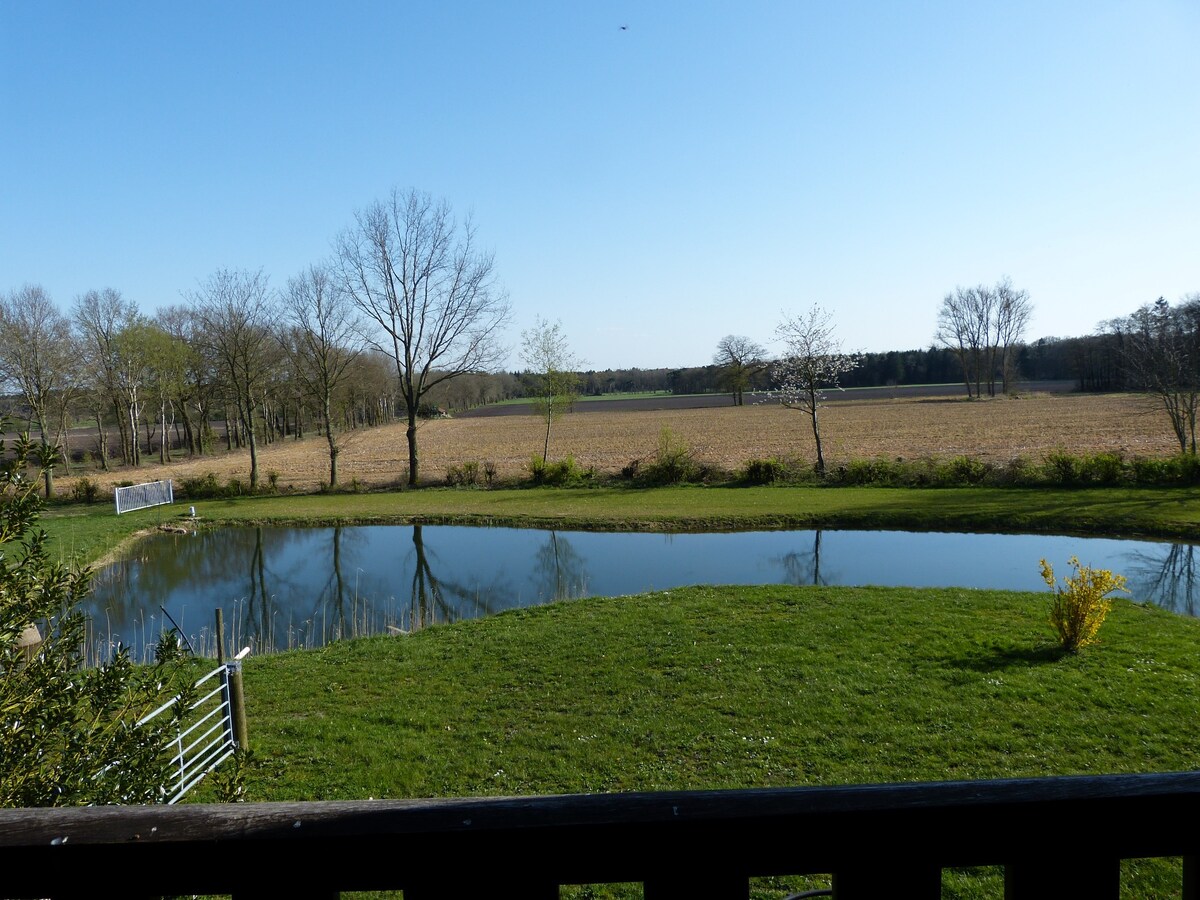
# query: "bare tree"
982,325
1161,348
554,368
812,361
740,360
963,325
100,318
1013,310
416,274
323,342
37,352
234,309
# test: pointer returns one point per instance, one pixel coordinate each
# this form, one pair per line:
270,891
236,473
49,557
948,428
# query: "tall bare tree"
235,311
100,318
430,294
323,342
1013,310
740,360
37,353
982,325
1161,349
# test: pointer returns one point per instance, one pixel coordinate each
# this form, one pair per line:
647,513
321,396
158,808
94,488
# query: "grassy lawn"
730,687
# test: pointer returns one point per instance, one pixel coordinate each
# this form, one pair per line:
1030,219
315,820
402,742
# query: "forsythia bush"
1080,605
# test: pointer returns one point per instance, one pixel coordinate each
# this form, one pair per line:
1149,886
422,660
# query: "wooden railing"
1056,838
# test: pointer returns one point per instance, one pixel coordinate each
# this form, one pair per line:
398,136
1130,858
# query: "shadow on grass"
995,659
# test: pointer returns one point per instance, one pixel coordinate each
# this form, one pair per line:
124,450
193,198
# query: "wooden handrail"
1057,837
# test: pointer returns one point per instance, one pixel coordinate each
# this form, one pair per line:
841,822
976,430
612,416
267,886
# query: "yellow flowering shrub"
1081,603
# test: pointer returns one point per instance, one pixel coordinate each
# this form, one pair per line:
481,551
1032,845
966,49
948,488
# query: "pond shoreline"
95,536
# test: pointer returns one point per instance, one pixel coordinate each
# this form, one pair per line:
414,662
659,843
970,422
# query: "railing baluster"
1052,879
881,878
1191,878
702,886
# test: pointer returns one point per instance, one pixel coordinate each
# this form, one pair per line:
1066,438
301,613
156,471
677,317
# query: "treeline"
1093,362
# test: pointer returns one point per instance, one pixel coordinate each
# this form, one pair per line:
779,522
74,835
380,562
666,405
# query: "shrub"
673,461
206,487
1080,605
273,480
965,470
85,490
766,471
1061,468
556,472
69,735
466,474
489,472
871,471
1018,471
1102,468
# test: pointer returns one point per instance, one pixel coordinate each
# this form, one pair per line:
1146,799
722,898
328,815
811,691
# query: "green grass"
783,686
726,688
89,532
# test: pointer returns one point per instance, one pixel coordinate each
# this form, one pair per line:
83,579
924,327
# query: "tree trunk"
253,458
101,438
412,445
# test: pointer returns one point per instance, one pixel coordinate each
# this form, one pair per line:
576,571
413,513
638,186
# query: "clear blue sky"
655,188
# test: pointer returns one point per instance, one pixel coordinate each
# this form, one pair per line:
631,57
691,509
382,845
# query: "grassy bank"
89,532
729,687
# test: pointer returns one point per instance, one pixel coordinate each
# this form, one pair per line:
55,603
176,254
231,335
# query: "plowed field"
996,430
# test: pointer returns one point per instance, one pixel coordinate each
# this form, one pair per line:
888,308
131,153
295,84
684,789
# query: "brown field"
995,430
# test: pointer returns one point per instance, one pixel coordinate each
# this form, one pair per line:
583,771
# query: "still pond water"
300,587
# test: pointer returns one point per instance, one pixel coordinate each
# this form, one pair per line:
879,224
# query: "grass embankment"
90,532
727,688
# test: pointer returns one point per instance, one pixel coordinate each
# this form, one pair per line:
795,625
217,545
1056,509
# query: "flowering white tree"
812,361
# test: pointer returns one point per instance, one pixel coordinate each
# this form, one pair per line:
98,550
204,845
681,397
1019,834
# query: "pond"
281,588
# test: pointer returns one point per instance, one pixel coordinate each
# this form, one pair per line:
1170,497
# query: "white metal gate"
139,496
209,740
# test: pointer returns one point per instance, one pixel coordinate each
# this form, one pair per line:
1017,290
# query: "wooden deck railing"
1056,838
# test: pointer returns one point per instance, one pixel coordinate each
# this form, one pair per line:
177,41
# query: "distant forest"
1094,362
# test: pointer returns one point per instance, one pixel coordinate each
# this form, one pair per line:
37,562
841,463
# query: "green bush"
766,471
1102,468
966,470
206,487
557,472
871,472
673,462
69,734
465,475
1061,468
85,490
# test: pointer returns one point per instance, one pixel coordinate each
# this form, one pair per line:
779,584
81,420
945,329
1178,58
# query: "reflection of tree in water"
437,599
1167,578
803,568
561,570
264,619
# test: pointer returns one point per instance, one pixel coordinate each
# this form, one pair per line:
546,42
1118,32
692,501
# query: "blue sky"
655,188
